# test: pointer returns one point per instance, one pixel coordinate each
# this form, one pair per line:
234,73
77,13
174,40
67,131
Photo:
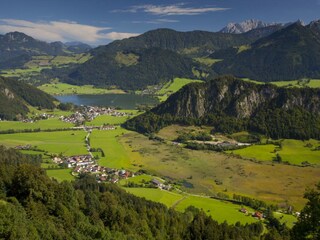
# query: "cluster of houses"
88,113
37,117
87,164
256,214
23,147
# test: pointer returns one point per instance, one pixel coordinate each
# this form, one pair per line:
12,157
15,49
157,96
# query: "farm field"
172,87
292,151
106,119
66,142
60,174
211,172
219,210
67,89
117,155
52,123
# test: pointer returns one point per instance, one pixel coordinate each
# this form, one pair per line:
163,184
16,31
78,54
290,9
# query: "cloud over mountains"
62,31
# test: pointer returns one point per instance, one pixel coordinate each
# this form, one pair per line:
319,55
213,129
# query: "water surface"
124,101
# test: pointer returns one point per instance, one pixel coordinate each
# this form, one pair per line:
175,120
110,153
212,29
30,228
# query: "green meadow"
60,174
51,123
66,142
65,89
116,154
106,119
219,210
172,87
313,83
292,151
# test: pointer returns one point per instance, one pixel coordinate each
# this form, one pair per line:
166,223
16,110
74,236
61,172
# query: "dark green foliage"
154,66
308,225
231,105
201,42
14,96
290,53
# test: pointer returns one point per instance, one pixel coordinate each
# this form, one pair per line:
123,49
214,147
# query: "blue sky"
101,21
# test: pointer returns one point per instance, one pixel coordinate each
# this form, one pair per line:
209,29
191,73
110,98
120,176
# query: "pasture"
210,172
219,210
51,123
292,151
67,143
117,155
68,89
173,86
60,174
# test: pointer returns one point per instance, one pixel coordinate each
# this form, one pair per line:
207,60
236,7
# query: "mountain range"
17,48
246,26
260,51
289,53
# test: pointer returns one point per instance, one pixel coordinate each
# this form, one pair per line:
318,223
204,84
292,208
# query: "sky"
99,22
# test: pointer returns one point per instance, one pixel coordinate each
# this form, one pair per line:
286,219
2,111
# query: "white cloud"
61,31
119,35
169,10
157,21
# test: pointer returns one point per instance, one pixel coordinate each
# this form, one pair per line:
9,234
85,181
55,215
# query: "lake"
124,101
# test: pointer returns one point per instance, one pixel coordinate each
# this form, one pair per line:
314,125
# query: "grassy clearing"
105,119
296,152
60,174
174,86
292,151
116,154
52,123
202,169
257,152
65,89
66,142
219,210
208,61
289,220
137,179
313,83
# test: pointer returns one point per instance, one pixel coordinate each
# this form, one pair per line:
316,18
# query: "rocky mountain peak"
245,26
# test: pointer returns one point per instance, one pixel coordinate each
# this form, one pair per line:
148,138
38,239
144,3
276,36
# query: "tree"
308,225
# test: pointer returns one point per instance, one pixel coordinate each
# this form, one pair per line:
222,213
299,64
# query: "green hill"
290,53
151,58
230,105
15,96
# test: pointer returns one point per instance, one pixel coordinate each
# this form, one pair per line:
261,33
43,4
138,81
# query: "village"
89,113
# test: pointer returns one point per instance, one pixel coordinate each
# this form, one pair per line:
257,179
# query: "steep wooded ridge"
231,105
290,53
17,48
151,58
15,96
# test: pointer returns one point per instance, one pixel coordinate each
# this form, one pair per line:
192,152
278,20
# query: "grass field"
66,142
106,119
208,61
117,155
52,123
219,210
172,87
60,174
65,89
313,83
292,151
202,169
